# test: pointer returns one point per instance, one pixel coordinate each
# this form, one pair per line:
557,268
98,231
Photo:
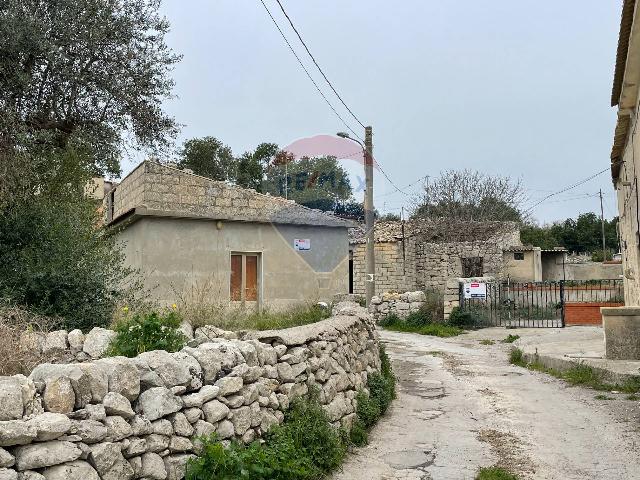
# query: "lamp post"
367,148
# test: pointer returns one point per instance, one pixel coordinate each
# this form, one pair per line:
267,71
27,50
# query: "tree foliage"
318,182
83,71
582,234
208,157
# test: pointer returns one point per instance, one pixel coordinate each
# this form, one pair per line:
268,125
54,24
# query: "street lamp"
367,148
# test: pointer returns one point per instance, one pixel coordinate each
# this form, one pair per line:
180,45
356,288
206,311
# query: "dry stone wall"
400,304
128,418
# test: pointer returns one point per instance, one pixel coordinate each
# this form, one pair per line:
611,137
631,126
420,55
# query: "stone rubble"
121,418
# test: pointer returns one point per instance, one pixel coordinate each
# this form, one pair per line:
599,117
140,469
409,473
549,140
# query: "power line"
566,189
307,71
317,65
318,88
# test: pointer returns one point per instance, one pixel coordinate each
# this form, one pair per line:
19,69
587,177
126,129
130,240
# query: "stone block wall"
394,268
400,304
129,418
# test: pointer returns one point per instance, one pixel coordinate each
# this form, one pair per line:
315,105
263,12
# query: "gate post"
562,303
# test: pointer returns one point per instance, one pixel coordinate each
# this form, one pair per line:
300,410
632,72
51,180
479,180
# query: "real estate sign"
301,244
475,290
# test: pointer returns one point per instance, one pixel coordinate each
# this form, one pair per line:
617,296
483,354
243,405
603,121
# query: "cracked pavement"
462,406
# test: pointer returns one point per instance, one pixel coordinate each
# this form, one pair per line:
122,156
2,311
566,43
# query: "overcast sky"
518,88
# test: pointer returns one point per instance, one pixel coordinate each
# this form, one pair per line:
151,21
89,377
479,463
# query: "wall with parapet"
128,418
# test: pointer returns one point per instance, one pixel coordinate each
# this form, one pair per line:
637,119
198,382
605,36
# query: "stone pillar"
451,296
621,332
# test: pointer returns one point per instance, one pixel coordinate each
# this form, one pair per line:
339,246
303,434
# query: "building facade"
625,160
197,239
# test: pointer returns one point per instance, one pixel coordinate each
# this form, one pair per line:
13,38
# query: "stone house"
201,240
410,256
625,163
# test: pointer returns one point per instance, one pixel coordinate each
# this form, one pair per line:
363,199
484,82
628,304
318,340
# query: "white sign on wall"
301,244
475,290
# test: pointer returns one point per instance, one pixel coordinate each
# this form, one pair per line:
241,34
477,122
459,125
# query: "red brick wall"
587,313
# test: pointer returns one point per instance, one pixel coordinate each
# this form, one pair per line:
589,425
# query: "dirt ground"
462,406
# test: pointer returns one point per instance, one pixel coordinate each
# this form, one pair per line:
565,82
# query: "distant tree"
318,182
468,195
389,217
583,234
83,72
251,166
208,157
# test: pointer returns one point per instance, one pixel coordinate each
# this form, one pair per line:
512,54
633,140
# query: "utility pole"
604,249
370,282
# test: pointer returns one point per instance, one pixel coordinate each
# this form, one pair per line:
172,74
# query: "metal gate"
537,304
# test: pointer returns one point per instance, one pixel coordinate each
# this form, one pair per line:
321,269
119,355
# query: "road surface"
462,406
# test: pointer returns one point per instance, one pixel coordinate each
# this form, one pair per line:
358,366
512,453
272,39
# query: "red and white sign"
475,290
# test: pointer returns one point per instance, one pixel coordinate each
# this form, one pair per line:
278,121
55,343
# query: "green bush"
55,262
146,332
391,319
358,435
419,318
304,447
465,318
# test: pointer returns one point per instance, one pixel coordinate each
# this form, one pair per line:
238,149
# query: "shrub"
391,319
20,332
55,262
419,318
304,447
382,390
358,434
146,332
465,318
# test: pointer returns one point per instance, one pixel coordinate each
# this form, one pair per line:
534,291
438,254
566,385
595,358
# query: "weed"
633,397
495,473
603,397
486,341
359,436
511,338
146,332
579,374
304,447
434,329
516,357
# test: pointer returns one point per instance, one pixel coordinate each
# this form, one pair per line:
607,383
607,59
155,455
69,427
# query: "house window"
243,284
518,255
472,267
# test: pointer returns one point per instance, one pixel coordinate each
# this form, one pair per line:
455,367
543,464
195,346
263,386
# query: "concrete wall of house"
553,266
629,225
190,259
527,270
593,271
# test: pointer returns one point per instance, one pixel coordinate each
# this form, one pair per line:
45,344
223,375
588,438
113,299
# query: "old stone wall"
129,418
410,265
400,304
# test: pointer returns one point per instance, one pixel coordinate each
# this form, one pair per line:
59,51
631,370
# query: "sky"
520,89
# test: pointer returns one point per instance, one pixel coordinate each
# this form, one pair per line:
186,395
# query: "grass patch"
495,473
582,375
510,338
603,397
486,341
633,397
371,406
419,325
235,319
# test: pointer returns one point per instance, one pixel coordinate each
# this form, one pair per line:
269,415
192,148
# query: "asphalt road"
462,406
